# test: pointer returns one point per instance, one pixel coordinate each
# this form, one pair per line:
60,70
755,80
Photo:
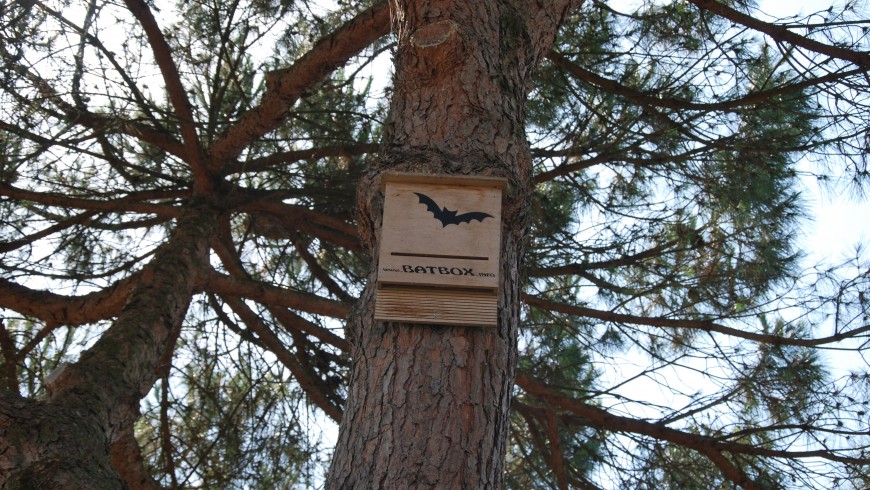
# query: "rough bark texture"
63,442
428,405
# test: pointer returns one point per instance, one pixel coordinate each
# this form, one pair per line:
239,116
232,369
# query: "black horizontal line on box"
438,256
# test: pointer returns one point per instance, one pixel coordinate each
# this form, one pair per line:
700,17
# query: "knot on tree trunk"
439,51
434,34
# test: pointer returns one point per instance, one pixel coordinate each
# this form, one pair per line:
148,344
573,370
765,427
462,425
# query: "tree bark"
63,442
428,405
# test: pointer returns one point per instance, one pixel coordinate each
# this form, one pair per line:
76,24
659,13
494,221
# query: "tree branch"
59,226
319,272
132,202
557,459
285,87
290,320
56,309
657,100
782,34
223,285
300,218
128,462
308,381
690,324
110,55
223,247
288,157
99,122
578,268
600,418
175,90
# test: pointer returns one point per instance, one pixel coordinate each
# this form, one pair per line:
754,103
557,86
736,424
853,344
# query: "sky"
841,219
838,219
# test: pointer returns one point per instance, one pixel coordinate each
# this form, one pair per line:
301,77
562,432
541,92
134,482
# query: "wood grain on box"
437,305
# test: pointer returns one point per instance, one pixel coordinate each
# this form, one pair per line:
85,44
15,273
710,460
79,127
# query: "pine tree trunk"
63,442
428,405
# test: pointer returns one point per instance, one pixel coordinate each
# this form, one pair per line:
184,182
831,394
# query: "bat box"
439,249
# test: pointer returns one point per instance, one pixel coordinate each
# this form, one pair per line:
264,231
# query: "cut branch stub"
438,49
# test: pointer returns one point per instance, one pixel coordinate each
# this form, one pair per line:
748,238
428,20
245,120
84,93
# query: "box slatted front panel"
439,306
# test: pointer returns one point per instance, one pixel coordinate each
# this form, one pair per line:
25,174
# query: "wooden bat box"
439,250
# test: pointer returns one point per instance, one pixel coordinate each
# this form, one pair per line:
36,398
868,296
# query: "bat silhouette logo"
447,217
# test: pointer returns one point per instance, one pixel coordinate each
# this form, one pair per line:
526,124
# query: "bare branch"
230,259
578,268
98,122
320,273
291,320
598,417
